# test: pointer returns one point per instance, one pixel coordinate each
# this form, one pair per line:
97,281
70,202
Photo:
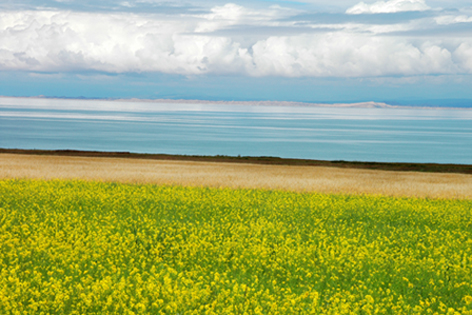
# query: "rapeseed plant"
76,247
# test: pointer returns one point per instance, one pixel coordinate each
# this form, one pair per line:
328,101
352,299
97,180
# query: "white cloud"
65,41
348,55
464,54
222,16
232,14
127,4
453,19
390,6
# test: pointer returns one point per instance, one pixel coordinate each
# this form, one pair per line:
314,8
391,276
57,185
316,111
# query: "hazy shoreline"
366,104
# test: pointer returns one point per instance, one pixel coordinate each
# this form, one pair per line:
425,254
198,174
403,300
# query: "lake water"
352,134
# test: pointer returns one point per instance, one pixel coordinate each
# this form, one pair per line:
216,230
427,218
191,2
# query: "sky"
396,51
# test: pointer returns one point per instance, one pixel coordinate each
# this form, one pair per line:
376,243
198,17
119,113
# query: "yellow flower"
468,299
369,299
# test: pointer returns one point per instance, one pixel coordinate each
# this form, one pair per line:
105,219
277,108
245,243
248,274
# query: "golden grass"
239,175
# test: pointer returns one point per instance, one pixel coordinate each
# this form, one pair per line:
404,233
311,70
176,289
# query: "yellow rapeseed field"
83,247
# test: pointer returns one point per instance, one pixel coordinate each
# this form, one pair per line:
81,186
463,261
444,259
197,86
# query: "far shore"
389,179
364,104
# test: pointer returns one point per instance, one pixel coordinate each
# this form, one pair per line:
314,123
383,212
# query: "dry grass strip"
238,175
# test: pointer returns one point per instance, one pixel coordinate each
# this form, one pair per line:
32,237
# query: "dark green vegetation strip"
413,167
102,248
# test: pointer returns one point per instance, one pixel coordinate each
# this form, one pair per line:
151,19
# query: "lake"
322,133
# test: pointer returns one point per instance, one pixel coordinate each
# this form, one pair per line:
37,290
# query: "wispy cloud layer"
383,38
391,6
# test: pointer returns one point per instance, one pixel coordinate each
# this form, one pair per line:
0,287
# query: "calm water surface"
355,134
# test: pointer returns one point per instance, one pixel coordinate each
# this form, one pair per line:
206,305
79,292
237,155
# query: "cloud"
348,55
453,19
464,54
279,43
373,19
391,6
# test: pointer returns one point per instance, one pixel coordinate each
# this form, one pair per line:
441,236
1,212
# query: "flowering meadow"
78,247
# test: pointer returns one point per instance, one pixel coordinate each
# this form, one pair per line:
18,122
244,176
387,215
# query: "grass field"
264,160
84,247
238,175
